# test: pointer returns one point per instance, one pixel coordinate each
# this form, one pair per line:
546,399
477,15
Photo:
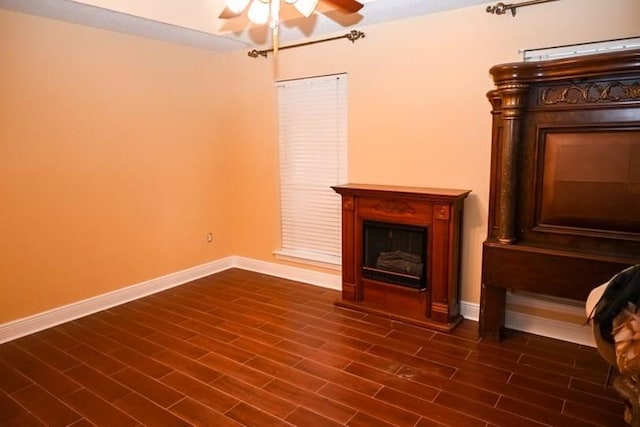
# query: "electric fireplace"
394,253
401,252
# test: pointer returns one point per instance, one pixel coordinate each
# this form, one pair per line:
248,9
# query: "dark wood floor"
240,348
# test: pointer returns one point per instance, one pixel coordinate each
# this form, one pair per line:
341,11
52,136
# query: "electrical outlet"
209,237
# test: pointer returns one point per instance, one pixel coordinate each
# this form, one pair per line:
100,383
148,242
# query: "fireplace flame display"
400,261
394,253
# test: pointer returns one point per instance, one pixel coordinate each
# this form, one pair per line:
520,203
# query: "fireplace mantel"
439,212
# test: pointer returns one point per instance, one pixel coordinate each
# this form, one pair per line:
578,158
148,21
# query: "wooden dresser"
564,209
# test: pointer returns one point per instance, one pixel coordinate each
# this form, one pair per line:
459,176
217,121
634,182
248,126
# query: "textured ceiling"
195,23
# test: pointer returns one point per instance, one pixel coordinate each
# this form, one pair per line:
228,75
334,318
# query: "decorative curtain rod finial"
354,35
501,8
255,53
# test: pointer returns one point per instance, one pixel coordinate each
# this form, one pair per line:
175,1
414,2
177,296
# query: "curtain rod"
352,36
501,8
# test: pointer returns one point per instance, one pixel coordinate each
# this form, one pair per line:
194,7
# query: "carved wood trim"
590,93
394,207
348,204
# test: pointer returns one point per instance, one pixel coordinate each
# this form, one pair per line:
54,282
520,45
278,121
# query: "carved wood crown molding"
394,207
590,93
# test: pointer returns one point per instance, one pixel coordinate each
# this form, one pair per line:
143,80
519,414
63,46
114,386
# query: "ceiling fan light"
259,12
236,6
306,7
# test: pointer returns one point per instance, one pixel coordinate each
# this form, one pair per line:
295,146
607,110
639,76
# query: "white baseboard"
28,325
565,331
324,280
21,327
470,310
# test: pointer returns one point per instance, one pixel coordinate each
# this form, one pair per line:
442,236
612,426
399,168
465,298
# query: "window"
312,117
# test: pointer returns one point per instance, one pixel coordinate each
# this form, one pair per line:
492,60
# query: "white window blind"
313,157
579,49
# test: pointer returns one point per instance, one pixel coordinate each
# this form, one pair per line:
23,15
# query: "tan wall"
118,154
418,114
113,164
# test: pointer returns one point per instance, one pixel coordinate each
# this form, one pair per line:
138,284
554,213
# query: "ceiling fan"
234,8
268,11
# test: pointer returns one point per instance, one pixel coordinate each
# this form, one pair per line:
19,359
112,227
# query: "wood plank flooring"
241,348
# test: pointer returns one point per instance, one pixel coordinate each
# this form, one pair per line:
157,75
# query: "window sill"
324,261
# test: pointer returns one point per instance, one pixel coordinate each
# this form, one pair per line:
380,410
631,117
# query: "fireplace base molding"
434,304
423,322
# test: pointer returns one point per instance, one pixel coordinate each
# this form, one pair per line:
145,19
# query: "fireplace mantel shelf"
434,304
401,191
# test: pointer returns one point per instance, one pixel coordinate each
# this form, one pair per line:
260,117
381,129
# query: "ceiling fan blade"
228,14
347,6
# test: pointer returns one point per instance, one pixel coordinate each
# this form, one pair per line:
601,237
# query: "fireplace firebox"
394,253
401,252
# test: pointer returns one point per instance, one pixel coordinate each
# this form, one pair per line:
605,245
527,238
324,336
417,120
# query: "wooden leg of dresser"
492,309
